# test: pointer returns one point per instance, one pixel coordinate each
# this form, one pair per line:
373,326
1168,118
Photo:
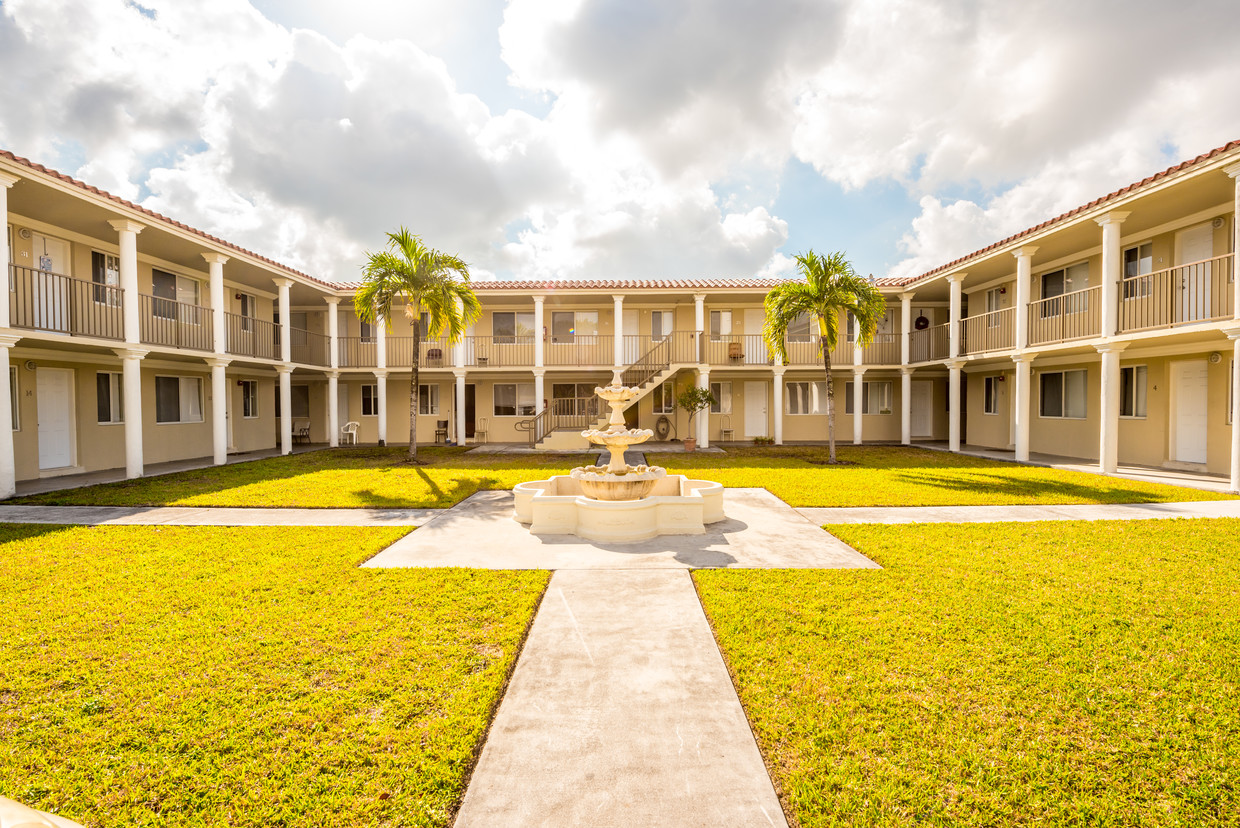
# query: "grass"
900,476
245,676
997,674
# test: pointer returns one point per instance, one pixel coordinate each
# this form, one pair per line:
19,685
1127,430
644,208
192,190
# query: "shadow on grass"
1099,490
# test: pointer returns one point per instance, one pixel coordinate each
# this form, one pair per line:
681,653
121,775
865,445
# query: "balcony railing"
1074,315
737,349
582,349
432,353
44,301
250,337
174,324
929,344
357,351
993,331
1197,292
884,350
504,351
808,352
307,347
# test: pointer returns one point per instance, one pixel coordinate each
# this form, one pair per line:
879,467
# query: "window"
1138,263
370,401
801,329
806,397
661,325
506,326
990,403
249,399
109,397
722,392
1132,381
168,288
1058,282
665,398
994,302
178,400
366,331
428,399
720,324
1063,394
566,326
105,272
514,399
875,397
15,407
299,397
247,308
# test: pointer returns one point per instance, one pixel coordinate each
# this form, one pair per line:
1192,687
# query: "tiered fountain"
618,502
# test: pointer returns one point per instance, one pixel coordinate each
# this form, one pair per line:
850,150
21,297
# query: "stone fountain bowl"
599,484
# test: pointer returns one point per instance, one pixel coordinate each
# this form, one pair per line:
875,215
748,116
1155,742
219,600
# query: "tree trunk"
826,364
413,391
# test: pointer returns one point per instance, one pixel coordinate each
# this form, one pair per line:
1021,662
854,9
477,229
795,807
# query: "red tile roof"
552,285
1123,191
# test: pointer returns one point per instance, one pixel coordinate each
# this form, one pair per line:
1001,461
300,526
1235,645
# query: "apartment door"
49,290
755,409
1188,389
1196,244
633,345
920,397
470,413
54,397
754,346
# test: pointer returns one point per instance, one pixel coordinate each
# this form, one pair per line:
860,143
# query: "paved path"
992,514
213,516
620,713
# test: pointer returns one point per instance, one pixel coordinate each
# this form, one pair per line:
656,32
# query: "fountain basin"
676,505
600,484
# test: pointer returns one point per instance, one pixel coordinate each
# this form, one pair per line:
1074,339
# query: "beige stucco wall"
989,430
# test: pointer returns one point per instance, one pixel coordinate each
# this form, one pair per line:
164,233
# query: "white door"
54,397
633,344
1195,244
920,398
49,290
755,347
1188,389
755,409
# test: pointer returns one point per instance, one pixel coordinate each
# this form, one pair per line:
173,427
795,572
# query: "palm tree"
427,281
831,286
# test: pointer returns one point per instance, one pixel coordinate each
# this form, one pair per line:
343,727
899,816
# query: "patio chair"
441,430
725,429
434,356
735,352
480,430
301,431
348,433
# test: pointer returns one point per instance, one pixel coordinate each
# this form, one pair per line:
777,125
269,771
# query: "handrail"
174,324
45,301
656,360
1180,295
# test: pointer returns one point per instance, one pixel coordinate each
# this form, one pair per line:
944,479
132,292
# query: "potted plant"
694,399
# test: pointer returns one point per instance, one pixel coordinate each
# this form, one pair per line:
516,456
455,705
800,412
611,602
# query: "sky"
552,139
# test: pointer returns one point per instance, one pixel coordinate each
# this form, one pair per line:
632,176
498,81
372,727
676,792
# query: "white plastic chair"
348,433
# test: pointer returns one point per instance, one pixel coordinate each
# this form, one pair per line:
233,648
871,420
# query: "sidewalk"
998,514
212,516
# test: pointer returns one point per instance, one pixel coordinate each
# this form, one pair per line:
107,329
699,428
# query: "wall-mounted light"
1002,291
24,233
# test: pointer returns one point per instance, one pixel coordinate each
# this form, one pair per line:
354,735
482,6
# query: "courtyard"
1057,672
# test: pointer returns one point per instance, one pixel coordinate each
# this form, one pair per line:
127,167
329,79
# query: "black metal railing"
174,324
44,301
250,337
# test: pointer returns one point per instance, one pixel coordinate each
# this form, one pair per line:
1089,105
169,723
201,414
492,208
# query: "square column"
1108,420
381,402
219,410
857,400
6,181
1024,285
8,463
540,326
906,404
219,331
956,281
460,407
128,243
131,380
703,417
1024,378
1112,270
618,330
779,407
286,407
954,404
333,409
286,335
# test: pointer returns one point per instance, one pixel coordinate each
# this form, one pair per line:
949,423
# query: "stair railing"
649,365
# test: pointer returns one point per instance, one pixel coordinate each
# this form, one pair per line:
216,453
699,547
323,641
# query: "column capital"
538,372
1233,170
282,282
379,375
332,300
858,370
953,278
955,364
7,180
906,370
215,258
459,373
131,353
539,298
906,298
1232,333
699,297
618,297
123,225
1024,356
1115,217
218,362
284,369
1110,347
1025,252
8,341
332,374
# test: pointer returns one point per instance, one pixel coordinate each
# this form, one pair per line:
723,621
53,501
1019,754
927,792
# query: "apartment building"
1106,334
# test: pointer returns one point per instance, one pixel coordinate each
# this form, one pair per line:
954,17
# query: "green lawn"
899,476
245,676
874,476
998,674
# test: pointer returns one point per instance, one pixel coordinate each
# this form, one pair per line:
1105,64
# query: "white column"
460,407
333,408
333,331
1024,284
703,417
1108,420
618,339
1234,172
699,324
8,463
1112,270
286,406
540,325
1024,379
380,343
954,403
858,357
131,380
906,325
219,331
1234,335
956,281
128,243
906,405
857,399
778,402
219,410
381,402
6,181
540,389
286,335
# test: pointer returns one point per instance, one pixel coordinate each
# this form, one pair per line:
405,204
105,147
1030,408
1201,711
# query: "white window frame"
1139,388
116,397
428,399
249,400
720,325
523,399
372,399
14,398
1134,286
111,278
990,394
810,395
722,392
664,398
1063,398
182,384
869,390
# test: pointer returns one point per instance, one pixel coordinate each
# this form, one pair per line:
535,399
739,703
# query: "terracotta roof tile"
551,285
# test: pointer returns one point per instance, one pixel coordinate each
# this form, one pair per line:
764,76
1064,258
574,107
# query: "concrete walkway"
996,514
213,516
620,713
